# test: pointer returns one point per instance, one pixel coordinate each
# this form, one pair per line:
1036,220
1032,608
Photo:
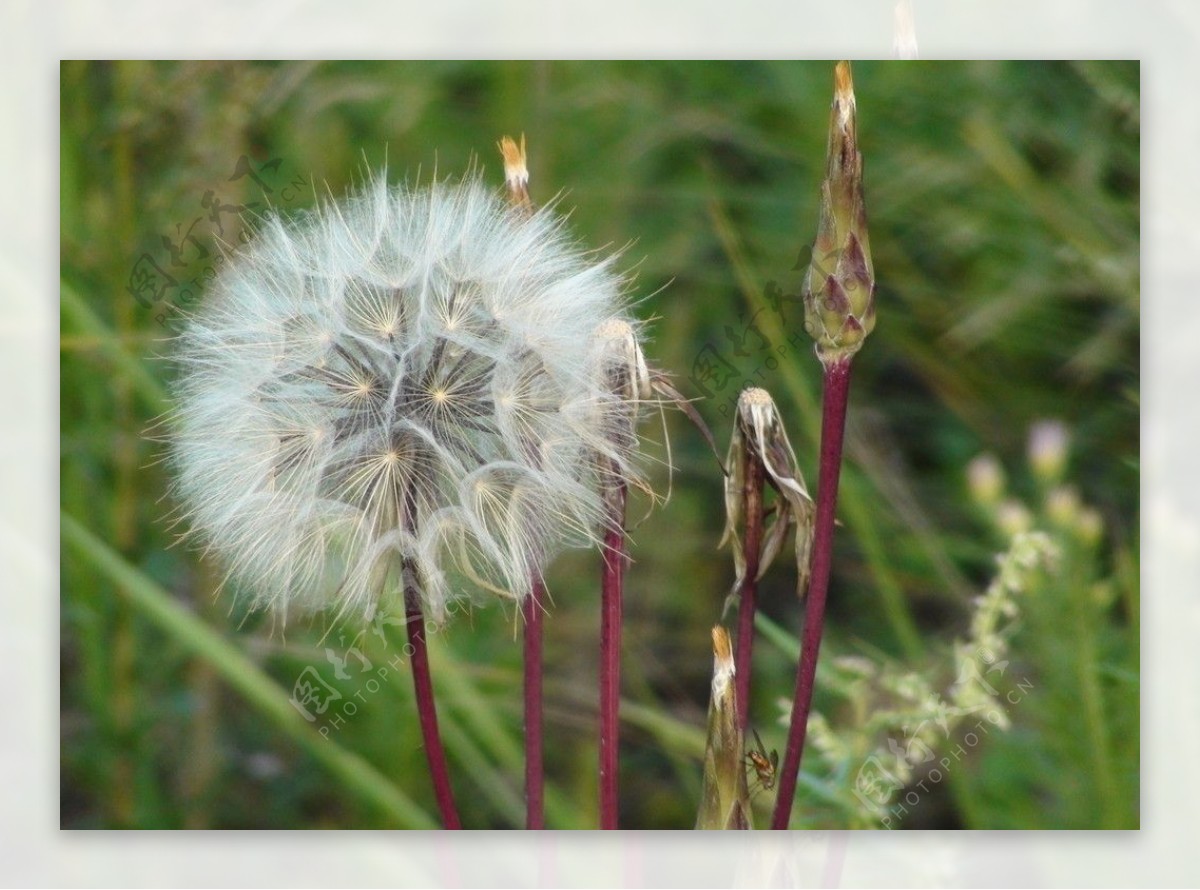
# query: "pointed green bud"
839,292
724,796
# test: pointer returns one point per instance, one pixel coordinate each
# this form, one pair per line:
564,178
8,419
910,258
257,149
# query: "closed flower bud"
1063,506
985,480
839,290
1049,444
1013,518
1090,526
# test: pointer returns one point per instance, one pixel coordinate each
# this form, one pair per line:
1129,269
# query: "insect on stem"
765,765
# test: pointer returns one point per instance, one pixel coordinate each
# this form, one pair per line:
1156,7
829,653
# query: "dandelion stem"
748,590
612,588
535,816
833,424
427,710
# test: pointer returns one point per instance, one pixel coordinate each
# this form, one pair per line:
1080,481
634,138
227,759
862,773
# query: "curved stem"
427,711
748,590
612,587
833,424
535,816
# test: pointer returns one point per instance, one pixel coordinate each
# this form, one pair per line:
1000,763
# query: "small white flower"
395,389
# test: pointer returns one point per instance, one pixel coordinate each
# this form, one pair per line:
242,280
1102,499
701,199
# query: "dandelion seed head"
403,384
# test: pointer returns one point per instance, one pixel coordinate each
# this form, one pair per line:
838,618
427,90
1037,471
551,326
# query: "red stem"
535,816
748,590
612,586
833,425
427,711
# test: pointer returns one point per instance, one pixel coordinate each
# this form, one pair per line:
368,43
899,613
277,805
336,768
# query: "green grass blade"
75,307
270,699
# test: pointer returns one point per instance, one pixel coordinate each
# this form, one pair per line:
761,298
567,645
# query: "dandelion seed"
397,386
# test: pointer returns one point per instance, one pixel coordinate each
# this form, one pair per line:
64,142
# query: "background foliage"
1005,227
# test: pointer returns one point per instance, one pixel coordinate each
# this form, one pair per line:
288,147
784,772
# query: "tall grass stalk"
267,697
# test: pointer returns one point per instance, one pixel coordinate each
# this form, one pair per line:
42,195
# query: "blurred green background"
1003,202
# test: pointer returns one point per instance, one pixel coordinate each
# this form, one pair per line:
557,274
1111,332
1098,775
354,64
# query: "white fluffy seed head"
401,388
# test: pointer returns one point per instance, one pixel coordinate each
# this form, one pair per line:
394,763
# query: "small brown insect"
765,765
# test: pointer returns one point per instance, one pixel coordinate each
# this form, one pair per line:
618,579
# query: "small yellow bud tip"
722,648
516,173
843,98
514,159
843,83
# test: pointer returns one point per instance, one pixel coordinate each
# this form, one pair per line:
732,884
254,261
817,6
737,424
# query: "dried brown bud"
759,434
